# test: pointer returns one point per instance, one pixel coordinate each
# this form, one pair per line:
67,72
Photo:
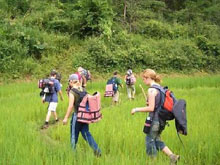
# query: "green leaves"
93,18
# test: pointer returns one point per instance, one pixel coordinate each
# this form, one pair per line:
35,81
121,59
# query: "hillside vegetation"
104,35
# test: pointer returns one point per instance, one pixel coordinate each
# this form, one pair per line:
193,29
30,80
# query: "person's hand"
65,121
147,103
133,111
42,100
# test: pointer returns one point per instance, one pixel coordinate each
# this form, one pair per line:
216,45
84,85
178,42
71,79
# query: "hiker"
81,78
130,81
76,127
116,83
84,76
153,140
52,98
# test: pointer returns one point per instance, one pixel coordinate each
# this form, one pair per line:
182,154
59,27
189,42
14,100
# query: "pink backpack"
89,107
79,76
109,92
130,80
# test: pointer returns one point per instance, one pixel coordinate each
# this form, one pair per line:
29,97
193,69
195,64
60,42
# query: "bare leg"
46,124
48,116
133,93
167,151
173,158
55,115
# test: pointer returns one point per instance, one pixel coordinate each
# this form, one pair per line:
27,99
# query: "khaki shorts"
52,106
116,97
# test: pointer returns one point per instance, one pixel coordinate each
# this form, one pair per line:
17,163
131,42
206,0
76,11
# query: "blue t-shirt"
53,97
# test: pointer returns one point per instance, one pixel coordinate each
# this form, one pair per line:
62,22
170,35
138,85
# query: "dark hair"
115,73
53,72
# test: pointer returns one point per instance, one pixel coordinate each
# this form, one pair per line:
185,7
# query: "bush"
211,50
156,29
11,53
176,55
95,56
92,18
19,45
17,6
128,51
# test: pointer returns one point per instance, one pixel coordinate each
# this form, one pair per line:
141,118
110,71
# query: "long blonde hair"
151,74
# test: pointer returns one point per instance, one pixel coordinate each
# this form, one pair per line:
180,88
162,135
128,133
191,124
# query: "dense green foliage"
118,134
104,35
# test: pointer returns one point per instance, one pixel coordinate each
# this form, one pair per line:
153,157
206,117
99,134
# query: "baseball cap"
129,72
74,77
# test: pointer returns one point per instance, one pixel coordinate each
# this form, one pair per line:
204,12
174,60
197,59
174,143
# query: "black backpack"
81,96
47,86
128,80
87,74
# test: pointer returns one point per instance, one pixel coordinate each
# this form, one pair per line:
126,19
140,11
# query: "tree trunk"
125,9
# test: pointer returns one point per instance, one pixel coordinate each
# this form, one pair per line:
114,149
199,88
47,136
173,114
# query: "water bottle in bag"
147,125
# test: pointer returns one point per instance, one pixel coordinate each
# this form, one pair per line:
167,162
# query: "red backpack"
167,98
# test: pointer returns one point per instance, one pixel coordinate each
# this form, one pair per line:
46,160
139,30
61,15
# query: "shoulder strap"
114,79
76,91
79,92
81,96
111,80
51,79
160,88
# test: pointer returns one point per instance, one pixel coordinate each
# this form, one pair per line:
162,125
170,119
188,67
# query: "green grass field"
119,134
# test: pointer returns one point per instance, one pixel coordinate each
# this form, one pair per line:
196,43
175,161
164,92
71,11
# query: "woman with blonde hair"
153,141
76,127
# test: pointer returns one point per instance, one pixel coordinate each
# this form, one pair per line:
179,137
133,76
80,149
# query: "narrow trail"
45,133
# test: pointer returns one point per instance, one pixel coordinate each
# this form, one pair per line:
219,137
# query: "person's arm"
58,88
61,95
151,102
69,109
119,83
43,98
134,79
84,81
125,78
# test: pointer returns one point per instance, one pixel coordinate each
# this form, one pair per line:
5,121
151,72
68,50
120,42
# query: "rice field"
119,134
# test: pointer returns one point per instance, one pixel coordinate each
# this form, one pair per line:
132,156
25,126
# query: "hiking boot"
45,126
173,159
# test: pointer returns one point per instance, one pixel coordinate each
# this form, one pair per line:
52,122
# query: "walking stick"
143,91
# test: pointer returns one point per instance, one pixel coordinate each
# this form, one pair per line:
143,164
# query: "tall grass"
119,134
